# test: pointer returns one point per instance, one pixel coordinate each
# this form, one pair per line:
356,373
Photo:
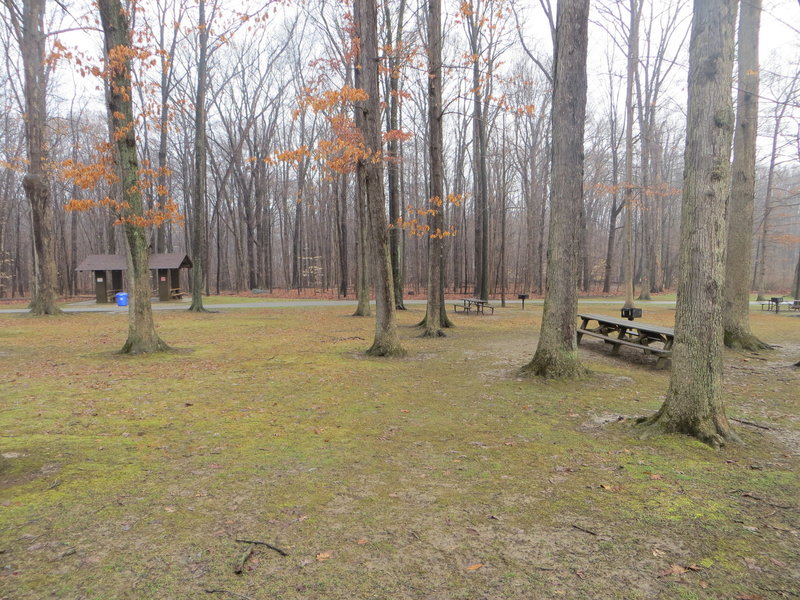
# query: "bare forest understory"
268,457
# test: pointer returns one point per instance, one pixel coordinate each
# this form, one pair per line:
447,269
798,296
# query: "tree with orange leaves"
369,174
118,161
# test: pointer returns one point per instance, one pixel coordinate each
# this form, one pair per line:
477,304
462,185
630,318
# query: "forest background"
279,209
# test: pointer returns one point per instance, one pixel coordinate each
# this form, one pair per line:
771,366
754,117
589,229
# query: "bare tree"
199,206
556,355
736,316
435,316
694,404
370,171
633,61
787,96
27,23
394,41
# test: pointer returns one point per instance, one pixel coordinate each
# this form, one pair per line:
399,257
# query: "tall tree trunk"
199,208
694,403
556,355
645,204
540,251
633,60
736,314
298,250
658,237
363,308
142,336
435,316
766,222
28,26
162,189
480,188
386,342
298,256
394,163
341,232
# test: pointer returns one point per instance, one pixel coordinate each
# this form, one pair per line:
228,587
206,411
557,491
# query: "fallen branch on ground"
228,592
579,528
767,502
743,422
243,559
270,546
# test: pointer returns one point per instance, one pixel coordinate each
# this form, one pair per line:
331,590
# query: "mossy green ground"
442,475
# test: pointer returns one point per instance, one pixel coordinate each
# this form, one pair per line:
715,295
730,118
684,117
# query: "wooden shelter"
166,274
167,269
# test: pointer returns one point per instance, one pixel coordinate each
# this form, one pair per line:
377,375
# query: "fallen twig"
243,597
767,502
579,528
270,546
743,422
782,592
243,559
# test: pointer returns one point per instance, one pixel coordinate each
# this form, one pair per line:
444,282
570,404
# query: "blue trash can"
122,298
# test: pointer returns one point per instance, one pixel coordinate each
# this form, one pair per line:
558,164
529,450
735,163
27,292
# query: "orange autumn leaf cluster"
417,229
294,156
330,99
89,175
101,172
17,165
397,134
454,199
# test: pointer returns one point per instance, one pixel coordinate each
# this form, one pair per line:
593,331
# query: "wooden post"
100,287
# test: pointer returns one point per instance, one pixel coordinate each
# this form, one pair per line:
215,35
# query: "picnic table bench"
776,303
653,339
467,304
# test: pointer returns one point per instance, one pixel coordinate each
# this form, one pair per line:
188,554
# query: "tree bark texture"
480,188
363,308
142,336
736,313
633,61
556,355
31,38
341,232
386,342
199,246
694,403
394,163
436,315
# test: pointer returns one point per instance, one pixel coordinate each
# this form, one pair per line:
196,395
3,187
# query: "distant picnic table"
653,339
467,305
776,302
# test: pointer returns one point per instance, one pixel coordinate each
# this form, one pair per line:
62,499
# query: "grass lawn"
443,475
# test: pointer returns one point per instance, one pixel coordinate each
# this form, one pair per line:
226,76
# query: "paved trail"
90,306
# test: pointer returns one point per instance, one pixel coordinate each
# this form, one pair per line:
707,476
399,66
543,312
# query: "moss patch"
440,474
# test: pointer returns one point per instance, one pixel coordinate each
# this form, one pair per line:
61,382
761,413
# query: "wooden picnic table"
467,304
776,303
653,339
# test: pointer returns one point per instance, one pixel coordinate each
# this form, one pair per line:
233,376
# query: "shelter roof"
103,262
171,260
116,262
